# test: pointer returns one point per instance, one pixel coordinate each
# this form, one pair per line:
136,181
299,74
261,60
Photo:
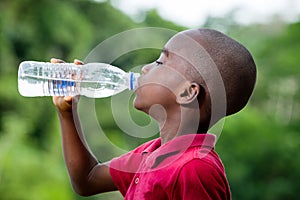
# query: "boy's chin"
136,104
139,105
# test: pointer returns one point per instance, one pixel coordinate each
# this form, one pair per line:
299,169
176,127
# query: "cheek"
151,94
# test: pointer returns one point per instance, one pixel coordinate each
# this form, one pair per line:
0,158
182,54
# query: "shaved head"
215,60
235,64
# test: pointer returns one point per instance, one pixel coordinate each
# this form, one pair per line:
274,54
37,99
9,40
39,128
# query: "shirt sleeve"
201,180
121,178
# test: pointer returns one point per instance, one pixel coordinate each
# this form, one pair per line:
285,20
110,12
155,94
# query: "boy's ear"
188,93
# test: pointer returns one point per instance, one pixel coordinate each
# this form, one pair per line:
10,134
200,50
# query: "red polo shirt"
186,167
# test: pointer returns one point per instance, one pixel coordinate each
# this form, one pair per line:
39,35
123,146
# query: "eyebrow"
165,51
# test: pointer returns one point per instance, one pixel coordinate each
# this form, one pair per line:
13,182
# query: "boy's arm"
88,176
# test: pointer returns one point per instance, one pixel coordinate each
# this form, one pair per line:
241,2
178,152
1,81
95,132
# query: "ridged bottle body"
95,80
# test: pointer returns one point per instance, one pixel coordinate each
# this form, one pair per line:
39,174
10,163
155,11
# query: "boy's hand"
65,104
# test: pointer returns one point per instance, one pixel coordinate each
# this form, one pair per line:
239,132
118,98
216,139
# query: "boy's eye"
158,62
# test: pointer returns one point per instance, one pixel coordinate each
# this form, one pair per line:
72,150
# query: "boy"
200,77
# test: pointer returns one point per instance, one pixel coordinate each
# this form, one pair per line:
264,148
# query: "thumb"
78,62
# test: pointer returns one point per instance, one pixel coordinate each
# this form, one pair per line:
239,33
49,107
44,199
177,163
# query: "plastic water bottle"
95,80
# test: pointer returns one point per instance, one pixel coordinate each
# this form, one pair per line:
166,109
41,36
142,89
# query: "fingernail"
78,61
55,60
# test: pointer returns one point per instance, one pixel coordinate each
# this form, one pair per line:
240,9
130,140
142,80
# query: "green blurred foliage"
259,146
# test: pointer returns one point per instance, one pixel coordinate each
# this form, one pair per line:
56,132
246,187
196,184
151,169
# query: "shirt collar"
182,143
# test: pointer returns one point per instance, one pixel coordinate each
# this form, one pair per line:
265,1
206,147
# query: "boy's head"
203,66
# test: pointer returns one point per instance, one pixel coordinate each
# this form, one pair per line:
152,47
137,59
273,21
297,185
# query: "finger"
78,62
55,60
71,101
61,103
55,100
68,99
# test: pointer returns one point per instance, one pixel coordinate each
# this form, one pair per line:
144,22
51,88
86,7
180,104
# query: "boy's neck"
179,123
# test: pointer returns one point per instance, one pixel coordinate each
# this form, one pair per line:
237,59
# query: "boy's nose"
146,69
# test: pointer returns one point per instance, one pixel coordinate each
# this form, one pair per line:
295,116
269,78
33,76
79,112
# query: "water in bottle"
95,80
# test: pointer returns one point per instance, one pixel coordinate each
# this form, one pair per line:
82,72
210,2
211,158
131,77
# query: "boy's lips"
138,82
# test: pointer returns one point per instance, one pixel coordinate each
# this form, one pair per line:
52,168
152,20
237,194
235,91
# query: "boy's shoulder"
202,177
199,159
197,171
205,167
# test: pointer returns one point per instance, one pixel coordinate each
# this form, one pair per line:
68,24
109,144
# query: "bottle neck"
133,80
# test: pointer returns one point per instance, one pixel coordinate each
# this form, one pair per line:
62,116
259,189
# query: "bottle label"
61,88
131,81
